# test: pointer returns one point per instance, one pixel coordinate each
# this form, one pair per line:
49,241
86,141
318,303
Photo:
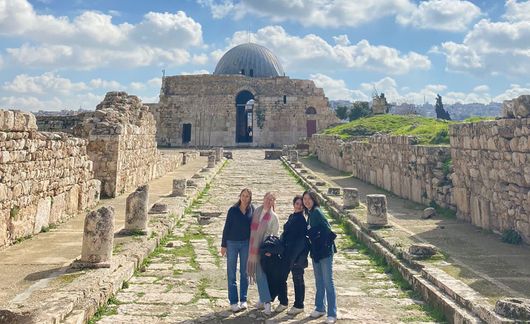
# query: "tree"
342,112
441,113
360,109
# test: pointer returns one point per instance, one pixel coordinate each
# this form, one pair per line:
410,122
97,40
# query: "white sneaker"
243,305
317,314
294,311
259,305
235,308
280,308
267,309
331,320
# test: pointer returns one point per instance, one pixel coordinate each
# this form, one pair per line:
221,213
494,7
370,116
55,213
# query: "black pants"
277,271
299,287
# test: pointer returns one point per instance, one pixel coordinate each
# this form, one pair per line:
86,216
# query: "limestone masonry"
45,177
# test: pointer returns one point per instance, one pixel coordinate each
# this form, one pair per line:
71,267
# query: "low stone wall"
61,123
121,135
395,163
492,174
44,177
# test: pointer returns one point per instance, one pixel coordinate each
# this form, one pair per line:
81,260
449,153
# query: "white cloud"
45,83
303,52
336,89
342,40
105,84
92,40
448,15
514,91
195,72
481,88
517,11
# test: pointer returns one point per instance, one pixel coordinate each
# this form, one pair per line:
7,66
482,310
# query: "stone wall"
61,123
121,136
281,111
492,174
44,177
395,163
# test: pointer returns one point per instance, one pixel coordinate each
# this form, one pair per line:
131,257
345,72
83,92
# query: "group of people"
251,234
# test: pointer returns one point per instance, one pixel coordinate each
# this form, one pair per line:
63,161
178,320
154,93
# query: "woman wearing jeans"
236,235
323,262
264,223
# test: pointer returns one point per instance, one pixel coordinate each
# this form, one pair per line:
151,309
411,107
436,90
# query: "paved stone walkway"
185,279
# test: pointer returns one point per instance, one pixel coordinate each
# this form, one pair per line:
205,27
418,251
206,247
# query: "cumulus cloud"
45,83
447,15
92,40
300,52
517,11
514,91
336,89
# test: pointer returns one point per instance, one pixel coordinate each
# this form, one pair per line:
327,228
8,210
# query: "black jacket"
294,238
274,266
237,225
322,242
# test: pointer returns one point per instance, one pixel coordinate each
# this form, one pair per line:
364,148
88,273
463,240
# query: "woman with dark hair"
322,250
294,238
235,242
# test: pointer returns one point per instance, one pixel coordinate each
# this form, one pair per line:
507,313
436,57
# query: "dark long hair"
313,196
242,191
298,197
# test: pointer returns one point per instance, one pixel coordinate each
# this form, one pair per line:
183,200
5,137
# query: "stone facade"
284,111
492,174
121,136
395,163
45,177
61,123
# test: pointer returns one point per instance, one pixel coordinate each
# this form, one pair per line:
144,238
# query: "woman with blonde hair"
264,223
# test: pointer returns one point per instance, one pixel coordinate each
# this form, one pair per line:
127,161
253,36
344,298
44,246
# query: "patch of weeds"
165,314
169,287
444,212
69,277
213,251
14,212
117,248
511,237
21,239
45,229
177,272
125,285
201,291
295,177
105,310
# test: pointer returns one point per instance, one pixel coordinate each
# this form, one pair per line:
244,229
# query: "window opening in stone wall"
311,111
243,71
186,133
244,117
284,99
251,73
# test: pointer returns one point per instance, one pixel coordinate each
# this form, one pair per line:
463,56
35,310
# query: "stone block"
428,213
179,188
422,250
320,183
98,239
377,214
58,209
136,218
228,155
298,165
272,155
211,161
514,308
350,198
334,191
293,156
218,154
42,217
159,208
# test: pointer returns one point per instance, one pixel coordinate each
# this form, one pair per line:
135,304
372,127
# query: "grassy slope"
428,130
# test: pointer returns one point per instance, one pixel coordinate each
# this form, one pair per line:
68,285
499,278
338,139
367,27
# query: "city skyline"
61,54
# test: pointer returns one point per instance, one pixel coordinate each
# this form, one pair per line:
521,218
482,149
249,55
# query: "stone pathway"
184,280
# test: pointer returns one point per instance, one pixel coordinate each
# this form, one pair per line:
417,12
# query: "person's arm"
228,223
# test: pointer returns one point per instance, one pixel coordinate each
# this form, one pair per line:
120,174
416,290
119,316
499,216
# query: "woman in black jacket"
294,238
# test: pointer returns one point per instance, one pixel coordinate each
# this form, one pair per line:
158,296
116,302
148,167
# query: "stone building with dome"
247,101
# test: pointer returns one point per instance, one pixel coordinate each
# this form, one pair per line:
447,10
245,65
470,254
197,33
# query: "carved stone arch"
310,111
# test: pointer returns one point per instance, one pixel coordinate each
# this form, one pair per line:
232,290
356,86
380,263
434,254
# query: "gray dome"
249,59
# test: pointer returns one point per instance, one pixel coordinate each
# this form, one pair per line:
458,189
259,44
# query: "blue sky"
59,54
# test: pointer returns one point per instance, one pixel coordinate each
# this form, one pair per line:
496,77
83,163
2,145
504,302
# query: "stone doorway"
186,133
311,126
244,117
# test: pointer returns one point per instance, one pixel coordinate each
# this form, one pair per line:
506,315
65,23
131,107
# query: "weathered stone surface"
179,188
218,154
517,108
159,208
376,209
320,183
273,155
428,213
211,161
98,239
228,155
514,308
422,250
298,165
350,198
42,218
293,156
136,218
334,191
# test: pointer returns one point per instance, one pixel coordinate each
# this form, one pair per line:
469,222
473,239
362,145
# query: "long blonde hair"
270,193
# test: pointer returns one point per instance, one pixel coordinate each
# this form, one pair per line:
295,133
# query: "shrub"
511,237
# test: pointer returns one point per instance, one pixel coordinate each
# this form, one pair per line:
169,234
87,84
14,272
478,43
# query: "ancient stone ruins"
101,218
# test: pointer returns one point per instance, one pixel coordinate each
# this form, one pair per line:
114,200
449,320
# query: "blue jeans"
323,270
233,249
263,285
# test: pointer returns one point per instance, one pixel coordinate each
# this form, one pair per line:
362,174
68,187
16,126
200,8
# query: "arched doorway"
244,116
311,123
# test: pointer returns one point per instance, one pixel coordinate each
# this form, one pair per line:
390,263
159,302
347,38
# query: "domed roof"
249,59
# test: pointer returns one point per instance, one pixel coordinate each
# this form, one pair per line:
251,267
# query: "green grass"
477,119
110,308
428,130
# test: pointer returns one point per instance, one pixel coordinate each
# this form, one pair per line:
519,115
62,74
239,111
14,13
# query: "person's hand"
223,251
268,254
